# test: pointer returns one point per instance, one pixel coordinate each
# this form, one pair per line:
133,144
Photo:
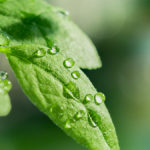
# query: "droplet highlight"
69,63
68,124
75,75
88,98
63,12
3,75
79,115
99,98
41,52
53,50
91,122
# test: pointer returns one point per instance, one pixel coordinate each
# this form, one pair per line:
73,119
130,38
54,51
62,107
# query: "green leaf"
34,21
52,89
45,49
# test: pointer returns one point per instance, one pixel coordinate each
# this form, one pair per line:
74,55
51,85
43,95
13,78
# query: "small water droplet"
53,50
91,122
69,63
75,74
79,115
41,52
88,98
3,75
64,12
4,40
68,124
99,98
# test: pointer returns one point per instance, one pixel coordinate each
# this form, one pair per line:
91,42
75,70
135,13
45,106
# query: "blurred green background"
121,32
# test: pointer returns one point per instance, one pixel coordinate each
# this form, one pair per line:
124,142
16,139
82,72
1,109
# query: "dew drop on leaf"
79,115
3,75
70,90
53,50
69,63
88,98
91,122
75,74
41,52
99,98
4,40
64,12
68,124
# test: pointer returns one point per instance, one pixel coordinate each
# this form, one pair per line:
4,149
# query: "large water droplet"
41,52
91,122
75,74
3,75
69,63
88,98
70,90
79,115
68,124
4,40
99,98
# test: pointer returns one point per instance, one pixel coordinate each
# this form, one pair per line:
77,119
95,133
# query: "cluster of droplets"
42,51
69,63
5,85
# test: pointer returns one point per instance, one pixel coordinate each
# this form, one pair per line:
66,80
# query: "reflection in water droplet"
88,98
69,63
75,74
53,50
99,98
3,75
91,122
67,124
79,115
4,40
40,52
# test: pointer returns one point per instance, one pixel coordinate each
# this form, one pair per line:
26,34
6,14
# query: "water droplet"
40,52
3,75
70,90
68,124
79,115
69,63
99,98
4,40
91,122
88,98
64,12
75,74
53,50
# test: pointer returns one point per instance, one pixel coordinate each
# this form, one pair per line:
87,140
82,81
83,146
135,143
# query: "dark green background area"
121,33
